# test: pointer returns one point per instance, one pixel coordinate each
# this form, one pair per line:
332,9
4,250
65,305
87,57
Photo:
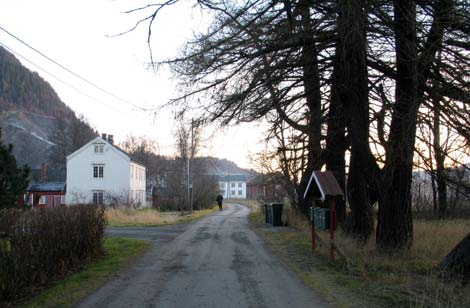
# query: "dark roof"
232,178
129,155
323,184
46,187
264,179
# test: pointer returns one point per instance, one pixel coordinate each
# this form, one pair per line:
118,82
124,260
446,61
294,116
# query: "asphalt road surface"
216,261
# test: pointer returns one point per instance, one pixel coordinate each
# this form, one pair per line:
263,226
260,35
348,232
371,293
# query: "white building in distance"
232,186
101,173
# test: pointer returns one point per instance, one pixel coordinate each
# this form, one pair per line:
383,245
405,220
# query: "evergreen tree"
13,180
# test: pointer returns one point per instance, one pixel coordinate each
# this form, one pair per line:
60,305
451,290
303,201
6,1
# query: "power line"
54,76
73,73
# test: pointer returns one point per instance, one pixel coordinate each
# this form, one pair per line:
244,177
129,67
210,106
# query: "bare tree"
302,65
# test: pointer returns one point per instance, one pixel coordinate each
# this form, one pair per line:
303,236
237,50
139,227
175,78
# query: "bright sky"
77,34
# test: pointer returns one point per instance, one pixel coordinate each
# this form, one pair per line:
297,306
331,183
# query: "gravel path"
216,261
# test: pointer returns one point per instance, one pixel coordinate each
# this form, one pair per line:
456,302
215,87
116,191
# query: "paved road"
216,261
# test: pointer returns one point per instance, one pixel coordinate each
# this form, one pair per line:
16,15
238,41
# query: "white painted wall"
233,190
116,181
137,183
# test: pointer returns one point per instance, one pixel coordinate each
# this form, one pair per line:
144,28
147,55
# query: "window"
232,184
232,192
99,148
239,192
98,171
222,185
98,197
239,185
42,200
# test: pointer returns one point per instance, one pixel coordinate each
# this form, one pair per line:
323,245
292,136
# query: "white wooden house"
101,173
232,186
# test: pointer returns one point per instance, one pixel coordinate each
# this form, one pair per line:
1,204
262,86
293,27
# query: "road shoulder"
294,250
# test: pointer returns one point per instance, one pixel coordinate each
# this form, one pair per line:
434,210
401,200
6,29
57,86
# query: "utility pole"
229,194
190,163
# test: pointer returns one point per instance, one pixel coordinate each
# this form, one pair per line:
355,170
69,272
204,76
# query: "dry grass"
149,217
433,240
381,280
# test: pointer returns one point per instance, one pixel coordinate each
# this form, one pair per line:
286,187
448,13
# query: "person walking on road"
219,201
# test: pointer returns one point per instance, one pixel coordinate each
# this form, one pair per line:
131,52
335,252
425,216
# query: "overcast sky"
79,35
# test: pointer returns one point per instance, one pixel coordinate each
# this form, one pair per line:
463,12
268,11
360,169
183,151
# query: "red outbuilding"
44,194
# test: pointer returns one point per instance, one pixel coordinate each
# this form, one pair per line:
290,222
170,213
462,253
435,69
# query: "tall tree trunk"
352,85
311,82
440,168
336,145
395,224
434,192
361,222
439,155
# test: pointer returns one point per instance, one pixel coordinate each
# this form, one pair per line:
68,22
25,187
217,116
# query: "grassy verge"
68,292
150,217
367,278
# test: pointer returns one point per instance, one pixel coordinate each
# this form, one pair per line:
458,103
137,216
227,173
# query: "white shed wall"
137,183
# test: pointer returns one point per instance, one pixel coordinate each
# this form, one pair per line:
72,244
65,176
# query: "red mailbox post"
323,185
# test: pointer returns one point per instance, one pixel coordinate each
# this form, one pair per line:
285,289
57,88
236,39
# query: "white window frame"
99,148
98,171
98,197
42,200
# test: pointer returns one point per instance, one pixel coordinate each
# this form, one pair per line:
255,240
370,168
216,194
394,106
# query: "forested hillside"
40,126
21,89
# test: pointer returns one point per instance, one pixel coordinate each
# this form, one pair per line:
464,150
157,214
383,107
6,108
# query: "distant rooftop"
46,187
232,178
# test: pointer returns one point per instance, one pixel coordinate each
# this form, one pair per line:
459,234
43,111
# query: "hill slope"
40,126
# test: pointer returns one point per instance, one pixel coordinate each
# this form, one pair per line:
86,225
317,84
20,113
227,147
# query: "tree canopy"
344,84
13,180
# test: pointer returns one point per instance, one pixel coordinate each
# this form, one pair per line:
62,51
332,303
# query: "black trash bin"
270,214
266,213
277,214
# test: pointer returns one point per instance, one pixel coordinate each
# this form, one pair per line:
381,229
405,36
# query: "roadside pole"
190,165
332,228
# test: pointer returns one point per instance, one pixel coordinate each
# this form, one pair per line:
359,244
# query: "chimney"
103,136
111,139
43,172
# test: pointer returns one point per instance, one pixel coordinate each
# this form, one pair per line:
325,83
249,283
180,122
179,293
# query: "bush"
38,246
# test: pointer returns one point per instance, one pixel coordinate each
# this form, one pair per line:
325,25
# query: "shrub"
38,246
